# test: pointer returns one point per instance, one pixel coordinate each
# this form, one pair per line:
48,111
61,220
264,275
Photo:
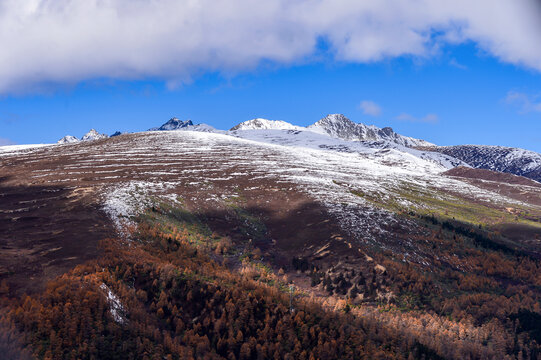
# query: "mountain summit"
93,135
89,136
264,124
68,139
339,126
173,124
186,125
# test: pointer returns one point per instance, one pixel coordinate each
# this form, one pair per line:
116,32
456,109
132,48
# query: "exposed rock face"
93,135
339,126
173,124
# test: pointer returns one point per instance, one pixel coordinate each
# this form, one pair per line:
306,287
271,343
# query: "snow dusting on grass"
127,200
327,169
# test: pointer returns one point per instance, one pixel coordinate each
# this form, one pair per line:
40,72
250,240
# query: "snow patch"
115,306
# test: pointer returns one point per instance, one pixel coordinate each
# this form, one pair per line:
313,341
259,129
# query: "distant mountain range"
337,126
89,136
497,158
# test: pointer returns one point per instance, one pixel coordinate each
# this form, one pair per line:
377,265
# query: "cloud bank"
67,41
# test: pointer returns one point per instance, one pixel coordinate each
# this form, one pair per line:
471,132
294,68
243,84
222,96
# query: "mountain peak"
339,126
93,135
68,139
336,118
333,121
89,136
173,124
264,124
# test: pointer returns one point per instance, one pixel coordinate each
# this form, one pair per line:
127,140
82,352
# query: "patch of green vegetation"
427,202
171,218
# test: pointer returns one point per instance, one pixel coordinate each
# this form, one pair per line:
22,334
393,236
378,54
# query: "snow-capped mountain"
93,135
68,139
173,124
339,126
89,136
187,125
305,139
337,132
497,158
264,124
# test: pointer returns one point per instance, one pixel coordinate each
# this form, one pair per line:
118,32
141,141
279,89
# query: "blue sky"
447,91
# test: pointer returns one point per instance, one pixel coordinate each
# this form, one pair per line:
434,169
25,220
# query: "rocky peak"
339,126
68,139
93,135
173,124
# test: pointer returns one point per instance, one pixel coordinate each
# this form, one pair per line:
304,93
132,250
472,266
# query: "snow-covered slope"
203,128
381,149
497,158
339,126
93,135
68,139
13,149
336,126
337,132
325,168
261,124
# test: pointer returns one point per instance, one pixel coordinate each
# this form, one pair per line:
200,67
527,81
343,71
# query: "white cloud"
428,118
453,62
4,141
370,108
67,41
526,103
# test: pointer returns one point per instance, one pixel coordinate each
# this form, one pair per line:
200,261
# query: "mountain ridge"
496,158
337,125
89,136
